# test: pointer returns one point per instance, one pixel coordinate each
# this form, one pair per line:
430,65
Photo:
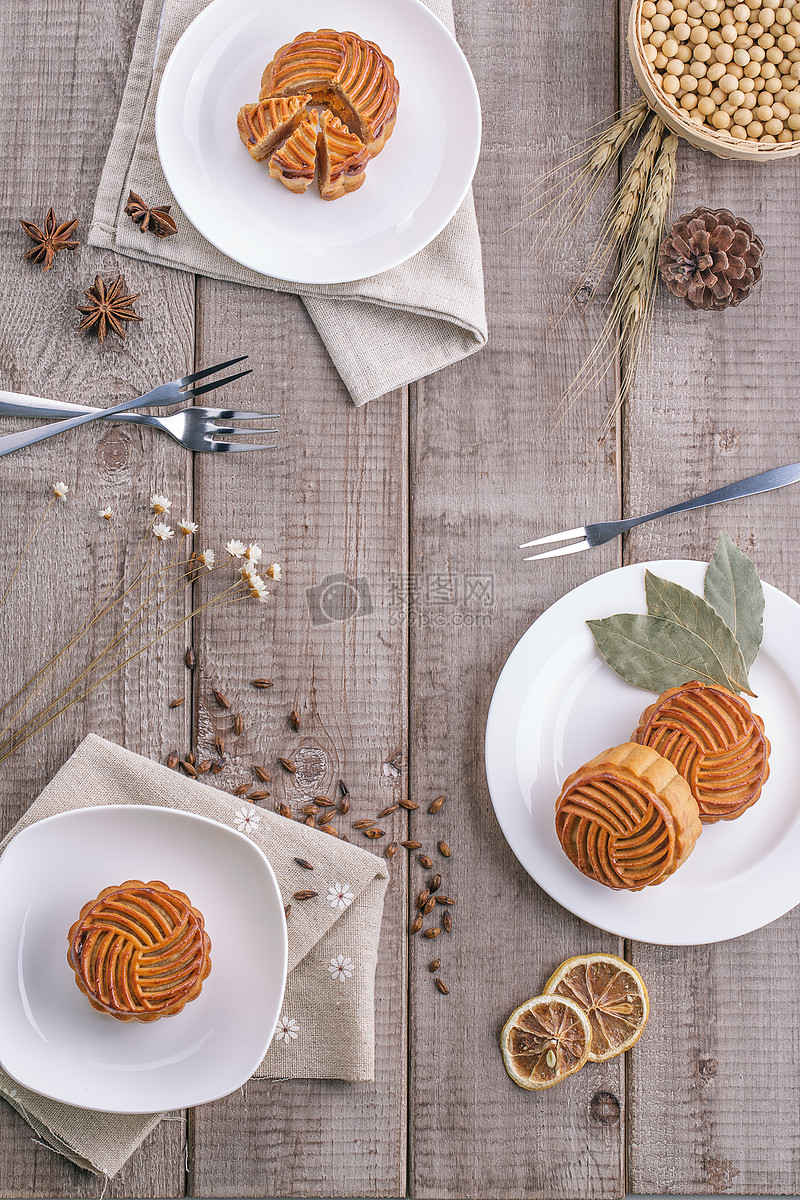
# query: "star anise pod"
50,240
152,220
108,307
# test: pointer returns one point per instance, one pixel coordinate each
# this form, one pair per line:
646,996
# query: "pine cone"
711,259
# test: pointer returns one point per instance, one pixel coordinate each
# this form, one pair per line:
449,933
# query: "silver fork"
165,393
604,531
193,427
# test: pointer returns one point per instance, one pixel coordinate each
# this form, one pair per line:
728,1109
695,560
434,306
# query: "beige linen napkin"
381,332
328,1027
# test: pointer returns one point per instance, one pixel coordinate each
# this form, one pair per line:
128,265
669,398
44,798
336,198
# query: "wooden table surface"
428,490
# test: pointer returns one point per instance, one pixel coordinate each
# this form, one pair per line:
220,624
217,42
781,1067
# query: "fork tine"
232,414
210,370
234,429
240,446
556,537
216,383
584,545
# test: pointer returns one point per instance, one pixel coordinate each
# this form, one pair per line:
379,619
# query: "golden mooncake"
263,126
627,819
716,742
293,163
343,72
139,951
341,157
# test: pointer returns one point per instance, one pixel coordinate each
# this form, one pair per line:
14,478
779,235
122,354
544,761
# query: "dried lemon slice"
612,994
545,1040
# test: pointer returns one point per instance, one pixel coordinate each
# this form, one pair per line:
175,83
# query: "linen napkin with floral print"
333,943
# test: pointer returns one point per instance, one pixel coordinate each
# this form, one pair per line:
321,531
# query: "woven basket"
718,142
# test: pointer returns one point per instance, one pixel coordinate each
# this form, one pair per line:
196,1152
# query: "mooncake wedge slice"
264,126
342,158
293,163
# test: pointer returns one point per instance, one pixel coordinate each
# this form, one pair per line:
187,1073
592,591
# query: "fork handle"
28,437
766,481
15,404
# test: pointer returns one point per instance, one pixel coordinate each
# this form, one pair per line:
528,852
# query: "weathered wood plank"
490,469
715,402
61,74
330,502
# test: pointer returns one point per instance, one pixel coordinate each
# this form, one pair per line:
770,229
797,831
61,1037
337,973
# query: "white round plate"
54,1042
412,188
557,704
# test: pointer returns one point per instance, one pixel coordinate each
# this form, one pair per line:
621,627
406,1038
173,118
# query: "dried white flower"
274,571
163,532
258,589
187,527
160,504
236,549
206,559
253,553
105,513
60,490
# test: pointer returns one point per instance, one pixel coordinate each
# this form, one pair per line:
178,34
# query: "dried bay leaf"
733,589
656,654
676,603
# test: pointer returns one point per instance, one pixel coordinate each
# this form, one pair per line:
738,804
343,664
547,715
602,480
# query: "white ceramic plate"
412,188
54,1042
557,704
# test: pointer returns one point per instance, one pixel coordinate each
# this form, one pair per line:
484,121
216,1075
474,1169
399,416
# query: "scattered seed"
445,900
294,720
426,862
188,768
412,845
343,788
309,821
242,790
444,849
219,745
344,838
429,906
364,823
409,804
432,933
324,802
344,805
387,812
190,757
305,895
422,898
221,698
238,725
551,1058
287,765
416,924
433,967
435,883
310,810
261,683
218,766
191,659
331,829
284,810
305,864
391,850
205,766
287,908
436,804
443,988
172,760
374,833
260,795
447,922
177,703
